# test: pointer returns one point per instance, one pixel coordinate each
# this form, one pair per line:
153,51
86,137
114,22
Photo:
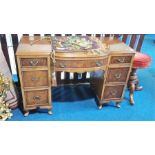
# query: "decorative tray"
75,43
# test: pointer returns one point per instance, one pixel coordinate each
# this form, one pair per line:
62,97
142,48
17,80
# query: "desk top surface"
93,47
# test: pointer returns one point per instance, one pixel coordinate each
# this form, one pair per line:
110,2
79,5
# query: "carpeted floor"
73,103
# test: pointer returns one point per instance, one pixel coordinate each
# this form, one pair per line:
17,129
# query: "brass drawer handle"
98,64
62,65
118,75
113,92
35,78
34,62
121,60
36,97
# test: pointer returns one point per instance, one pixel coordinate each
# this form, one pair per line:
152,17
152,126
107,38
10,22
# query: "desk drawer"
117,74
96,62
81,63
35,78
29,62
120,59
113,92
36,98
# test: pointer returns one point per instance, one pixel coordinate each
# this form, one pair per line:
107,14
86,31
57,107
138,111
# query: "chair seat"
141,60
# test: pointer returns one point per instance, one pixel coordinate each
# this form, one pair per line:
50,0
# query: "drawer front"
96,63
35,78
29,62
117,74
70,64
120,59
36,98
113,92
80,63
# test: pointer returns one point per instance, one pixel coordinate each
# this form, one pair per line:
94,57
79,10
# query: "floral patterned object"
74,43
5,112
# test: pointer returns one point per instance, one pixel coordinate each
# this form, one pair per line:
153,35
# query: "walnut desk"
110,68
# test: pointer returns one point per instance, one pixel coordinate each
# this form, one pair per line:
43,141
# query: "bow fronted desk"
39,58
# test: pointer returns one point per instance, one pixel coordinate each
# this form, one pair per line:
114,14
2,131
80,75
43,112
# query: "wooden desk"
110,67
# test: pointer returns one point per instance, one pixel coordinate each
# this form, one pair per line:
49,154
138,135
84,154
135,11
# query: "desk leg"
26,113
118,104
50,112
132,89
100,107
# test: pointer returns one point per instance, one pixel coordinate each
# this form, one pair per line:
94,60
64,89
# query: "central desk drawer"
81,63
36,98
117,74
29,62
35,78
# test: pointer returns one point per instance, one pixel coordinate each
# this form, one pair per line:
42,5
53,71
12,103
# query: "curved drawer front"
120,59
113,92
32,62
36,98
117,74
35,78
81,63
96,63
